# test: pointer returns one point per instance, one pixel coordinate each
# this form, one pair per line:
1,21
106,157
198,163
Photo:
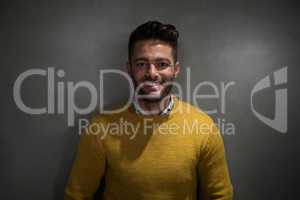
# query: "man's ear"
128,66
176,69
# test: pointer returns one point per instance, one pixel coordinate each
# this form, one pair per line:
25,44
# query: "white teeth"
151,84
155,84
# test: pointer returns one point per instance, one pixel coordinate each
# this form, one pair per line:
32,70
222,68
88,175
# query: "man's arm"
87,170
213,173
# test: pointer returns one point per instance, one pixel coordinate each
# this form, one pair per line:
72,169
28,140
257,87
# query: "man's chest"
152,161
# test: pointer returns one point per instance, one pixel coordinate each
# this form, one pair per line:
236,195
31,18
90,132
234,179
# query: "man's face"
152,64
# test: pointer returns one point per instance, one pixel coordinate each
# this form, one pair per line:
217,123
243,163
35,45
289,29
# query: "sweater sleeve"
88,168
214,180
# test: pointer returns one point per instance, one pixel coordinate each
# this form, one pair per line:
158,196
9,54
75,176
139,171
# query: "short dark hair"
154,30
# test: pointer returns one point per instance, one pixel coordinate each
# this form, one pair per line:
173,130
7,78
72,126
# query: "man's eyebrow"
140,59
146,59
162,59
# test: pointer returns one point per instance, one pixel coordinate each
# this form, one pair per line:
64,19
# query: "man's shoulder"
188,110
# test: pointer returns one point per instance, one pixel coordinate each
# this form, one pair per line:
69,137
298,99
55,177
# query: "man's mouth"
152,86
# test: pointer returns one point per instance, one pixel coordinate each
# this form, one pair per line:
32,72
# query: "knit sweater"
177,156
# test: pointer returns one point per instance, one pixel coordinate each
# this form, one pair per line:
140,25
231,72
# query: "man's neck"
153,107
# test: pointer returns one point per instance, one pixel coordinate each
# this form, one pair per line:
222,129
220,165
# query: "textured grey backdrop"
241,41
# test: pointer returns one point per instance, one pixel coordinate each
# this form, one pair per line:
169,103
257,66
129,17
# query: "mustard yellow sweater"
147,158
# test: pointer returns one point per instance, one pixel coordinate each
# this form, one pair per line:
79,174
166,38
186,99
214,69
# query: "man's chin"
152,97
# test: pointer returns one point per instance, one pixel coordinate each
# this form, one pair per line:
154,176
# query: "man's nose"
152,71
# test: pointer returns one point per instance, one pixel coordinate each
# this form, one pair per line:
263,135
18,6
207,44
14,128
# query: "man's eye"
140,64
163,65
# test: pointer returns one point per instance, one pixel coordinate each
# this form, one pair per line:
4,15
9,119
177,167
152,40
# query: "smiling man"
176,153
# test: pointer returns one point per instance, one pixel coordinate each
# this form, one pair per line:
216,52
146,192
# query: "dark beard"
166,91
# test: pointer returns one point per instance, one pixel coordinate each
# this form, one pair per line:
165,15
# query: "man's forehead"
152,44
153,48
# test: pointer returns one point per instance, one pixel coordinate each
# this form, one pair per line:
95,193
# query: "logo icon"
279,122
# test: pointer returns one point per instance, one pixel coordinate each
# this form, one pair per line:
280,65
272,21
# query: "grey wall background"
241,41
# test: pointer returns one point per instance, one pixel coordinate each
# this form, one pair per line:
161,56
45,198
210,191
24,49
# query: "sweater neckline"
168,116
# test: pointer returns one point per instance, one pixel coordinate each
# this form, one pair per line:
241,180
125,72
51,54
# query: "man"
162,154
